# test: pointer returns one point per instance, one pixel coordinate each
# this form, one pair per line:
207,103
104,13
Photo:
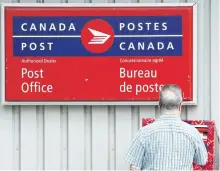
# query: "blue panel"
166,31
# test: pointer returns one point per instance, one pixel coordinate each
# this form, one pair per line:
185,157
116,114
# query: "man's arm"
135,153
201,155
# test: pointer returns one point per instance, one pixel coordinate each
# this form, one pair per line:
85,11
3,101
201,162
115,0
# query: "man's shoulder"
158,126
150,127
190,130
188,126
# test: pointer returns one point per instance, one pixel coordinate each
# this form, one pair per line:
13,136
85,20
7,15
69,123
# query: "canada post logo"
97,36
78,36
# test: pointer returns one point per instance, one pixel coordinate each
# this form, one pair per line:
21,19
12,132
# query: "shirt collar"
169,117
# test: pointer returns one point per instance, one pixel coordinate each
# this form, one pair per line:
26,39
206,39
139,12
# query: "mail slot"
207,132
203,131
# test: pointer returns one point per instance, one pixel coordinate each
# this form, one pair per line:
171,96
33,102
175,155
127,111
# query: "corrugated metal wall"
97,137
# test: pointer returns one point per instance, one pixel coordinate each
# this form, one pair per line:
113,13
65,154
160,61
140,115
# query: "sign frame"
136,103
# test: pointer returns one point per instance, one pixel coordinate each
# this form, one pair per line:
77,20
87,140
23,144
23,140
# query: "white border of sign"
3,5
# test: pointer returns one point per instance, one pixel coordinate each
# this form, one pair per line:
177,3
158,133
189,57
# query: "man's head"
170,99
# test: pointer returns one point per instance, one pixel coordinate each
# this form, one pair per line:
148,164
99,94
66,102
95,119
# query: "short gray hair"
170,96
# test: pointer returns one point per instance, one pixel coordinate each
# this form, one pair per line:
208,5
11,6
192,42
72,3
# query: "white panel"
112,140
134,120
157,112
100,138
76,131
16,137
40,138
52,137
173,1
64,137
123,1
76,1
215,76
147,1
88,138
6,131
28,1
53,1
123,135
28,138
202,111
184,113
6,142
100,1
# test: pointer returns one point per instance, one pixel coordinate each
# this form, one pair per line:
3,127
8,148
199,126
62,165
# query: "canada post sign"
94,53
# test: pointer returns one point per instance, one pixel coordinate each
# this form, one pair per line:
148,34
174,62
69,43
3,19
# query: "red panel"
97,78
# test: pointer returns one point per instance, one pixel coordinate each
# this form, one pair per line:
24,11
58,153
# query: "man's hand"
134,168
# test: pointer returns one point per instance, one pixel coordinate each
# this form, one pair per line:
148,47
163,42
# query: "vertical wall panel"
100,1
40,137
184,113
215,16
157,112
112,140
6,128
76,1
124,1
7,137
135,123
202,110
64,137
52,137
123,135
16,137
100,132
147,1
76,143
28,1
173,1
28,138
88,137
53,1
16,131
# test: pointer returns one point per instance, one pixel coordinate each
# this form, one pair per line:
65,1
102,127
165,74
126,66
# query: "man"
168,143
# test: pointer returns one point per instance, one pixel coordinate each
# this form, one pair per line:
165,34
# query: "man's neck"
170,112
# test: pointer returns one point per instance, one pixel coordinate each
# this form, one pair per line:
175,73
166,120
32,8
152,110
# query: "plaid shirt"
167,144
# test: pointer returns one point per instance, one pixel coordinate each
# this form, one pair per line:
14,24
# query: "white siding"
97,137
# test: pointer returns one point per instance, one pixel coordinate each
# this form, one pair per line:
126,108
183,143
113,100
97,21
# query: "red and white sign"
97,54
